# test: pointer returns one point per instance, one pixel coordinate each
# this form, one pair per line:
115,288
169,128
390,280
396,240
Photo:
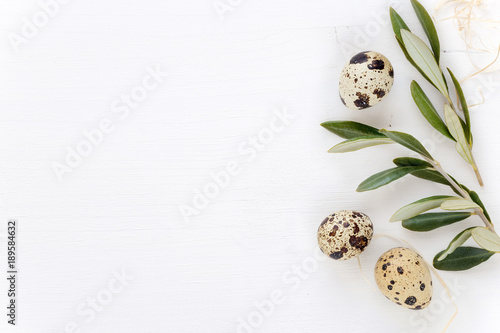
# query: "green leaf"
459,204
431,221
397,23
385,177
359,143
429,28
410,60
407,141
465,108
351,129
427,109
428,173
419,207
462,258
459,240
487,239
431,175
411,161
475,197
457,131
422,56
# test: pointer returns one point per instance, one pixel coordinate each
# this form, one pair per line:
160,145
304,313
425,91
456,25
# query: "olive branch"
465,203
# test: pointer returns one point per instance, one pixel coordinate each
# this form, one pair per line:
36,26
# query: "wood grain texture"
120,208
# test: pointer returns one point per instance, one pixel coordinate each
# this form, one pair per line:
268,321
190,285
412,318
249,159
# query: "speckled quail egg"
404,278
345,234
365,80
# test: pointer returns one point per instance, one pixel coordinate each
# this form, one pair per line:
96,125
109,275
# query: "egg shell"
345,234
404,278
365,80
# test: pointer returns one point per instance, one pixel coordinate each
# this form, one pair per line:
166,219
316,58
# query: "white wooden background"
118,211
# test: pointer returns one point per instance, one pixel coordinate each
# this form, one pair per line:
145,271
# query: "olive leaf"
464,257
429,28
487,239
428,111
419,207
397,23
431,175
457,131
428,173
385,177
359,143
459,204
407,141
410,60
475,197
351,129
465,108
459,240
411,161
422,56
431,221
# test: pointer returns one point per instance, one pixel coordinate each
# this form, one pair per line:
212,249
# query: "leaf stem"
476,170
478,211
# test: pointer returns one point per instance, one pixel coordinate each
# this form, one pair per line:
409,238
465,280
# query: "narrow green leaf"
457,131
487,239
385,177
351,129
407,141
424,59
431,221
462,258
427,109
359,143
428,173
429,28
465,108
419,207
410,60
411,161
459,204
475,197
459,240
431,175
397,23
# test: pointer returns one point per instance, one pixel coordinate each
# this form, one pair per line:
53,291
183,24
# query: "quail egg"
344,234
404,278
365,80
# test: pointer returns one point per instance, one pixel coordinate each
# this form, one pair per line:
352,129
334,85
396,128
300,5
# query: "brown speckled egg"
344,234
404,278
365,80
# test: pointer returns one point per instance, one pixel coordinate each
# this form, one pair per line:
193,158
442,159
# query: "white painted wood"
119,209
